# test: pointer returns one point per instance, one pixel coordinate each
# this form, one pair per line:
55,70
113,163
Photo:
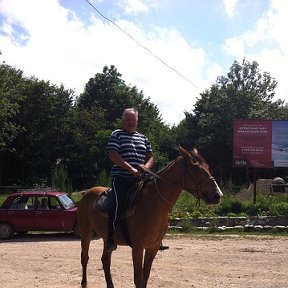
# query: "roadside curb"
246,224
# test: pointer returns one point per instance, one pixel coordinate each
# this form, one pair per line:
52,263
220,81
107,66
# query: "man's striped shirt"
133,148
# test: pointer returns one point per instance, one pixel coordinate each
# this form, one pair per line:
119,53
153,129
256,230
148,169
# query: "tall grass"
60,179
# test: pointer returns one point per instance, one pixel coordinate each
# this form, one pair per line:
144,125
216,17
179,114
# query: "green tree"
32,119
42,116
245,93
10,99
85,133
101,105
108,92
42,124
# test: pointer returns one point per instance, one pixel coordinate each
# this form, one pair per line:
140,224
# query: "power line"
148,50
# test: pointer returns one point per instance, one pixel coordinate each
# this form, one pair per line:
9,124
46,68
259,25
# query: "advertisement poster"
260,143
252,146
280,143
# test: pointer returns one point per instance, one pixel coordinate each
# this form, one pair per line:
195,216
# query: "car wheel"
6,231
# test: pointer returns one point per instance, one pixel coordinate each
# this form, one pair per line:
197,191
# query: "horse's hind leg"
85,243
86,233
106,262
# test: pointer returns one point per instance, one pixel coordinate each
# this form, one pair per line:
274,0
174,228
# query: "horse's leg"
148,260
85,243
137,255
106,263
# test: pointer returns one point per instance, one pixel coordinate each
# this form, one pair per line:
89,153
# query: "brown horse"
148,225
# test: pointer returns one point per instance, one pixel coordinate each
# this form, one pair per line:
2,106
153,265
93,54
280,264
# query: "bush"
103,179
196,214
273,205
184,207
279,209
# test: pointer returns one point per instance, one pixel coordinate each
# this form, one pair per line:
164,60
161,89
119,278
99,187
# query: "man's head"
130,119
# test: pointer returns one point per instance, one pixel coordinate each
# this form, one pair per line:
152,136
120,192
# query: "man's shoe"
111,245
163,247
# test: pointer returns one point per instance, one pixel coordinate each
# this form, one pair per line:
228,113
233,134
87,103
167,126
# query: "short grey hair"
130,110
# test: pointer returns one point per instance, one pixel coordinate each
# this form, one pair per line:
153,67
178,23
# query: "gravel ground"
204,261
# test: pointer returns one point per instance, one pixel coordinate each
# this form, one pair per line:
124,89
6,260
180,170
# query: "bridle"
199,185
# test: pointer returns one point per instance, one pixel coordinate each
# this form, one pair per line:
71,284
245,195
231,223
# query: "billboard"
260,143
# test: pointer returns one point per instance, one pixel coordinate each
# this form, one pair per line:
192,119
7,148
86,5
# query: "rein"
161,194
156,176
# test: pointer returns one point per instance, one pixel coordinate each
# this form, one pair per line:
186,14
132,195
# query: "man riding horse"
127,149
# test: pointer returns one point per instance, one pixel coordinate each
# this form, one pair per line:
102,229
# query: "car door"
50,218
21,213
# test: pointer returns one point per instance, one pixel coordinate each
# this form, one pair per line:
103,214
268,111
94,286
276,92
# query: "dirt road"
192,261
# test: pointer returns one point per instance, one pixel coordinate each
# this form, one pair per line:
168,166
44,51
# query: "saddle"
103,202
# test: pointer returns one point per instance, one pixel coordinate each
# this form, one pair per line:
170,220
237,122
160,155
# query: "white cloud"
61,49
133,6
234,46
278,21
273,61
54,44
6,28
214,71
229,6
136,6
267,44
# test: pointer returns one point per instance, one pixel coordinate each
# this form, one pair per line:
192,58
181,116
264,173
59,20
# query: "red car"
37,211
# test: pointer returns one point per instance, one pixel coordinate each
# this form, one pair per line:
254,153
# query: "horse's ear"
194,150
183,152
194,153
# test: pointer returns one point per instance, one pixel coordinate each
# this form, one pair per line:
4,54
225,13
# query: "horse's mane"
195,156
168,165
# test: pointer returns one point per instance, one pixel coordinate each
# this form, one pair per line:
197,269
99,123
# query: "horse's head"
198,179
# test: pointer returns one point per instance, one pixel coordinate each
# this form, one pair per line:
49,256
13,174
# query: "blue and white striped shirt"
133,148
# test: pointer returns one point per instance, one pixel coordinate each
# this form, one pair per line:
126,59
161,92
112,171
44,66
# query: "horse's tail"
85,210
85,205
83,192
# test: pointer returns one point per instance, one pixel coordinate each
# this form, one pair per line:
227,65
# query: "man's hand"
136,173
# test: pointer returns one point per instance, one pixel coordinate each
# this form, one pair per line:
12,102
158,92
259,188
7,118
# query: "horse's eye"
193,159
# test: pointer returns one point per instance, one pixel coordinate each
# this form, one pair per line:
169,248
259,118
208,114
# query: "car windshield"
66,201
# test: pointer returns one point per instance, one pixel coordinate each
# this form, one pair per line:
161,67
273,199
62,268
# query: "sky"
171,50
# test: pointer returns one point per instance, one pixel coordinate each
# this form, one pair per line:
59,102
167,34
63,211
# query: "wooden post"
255,185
